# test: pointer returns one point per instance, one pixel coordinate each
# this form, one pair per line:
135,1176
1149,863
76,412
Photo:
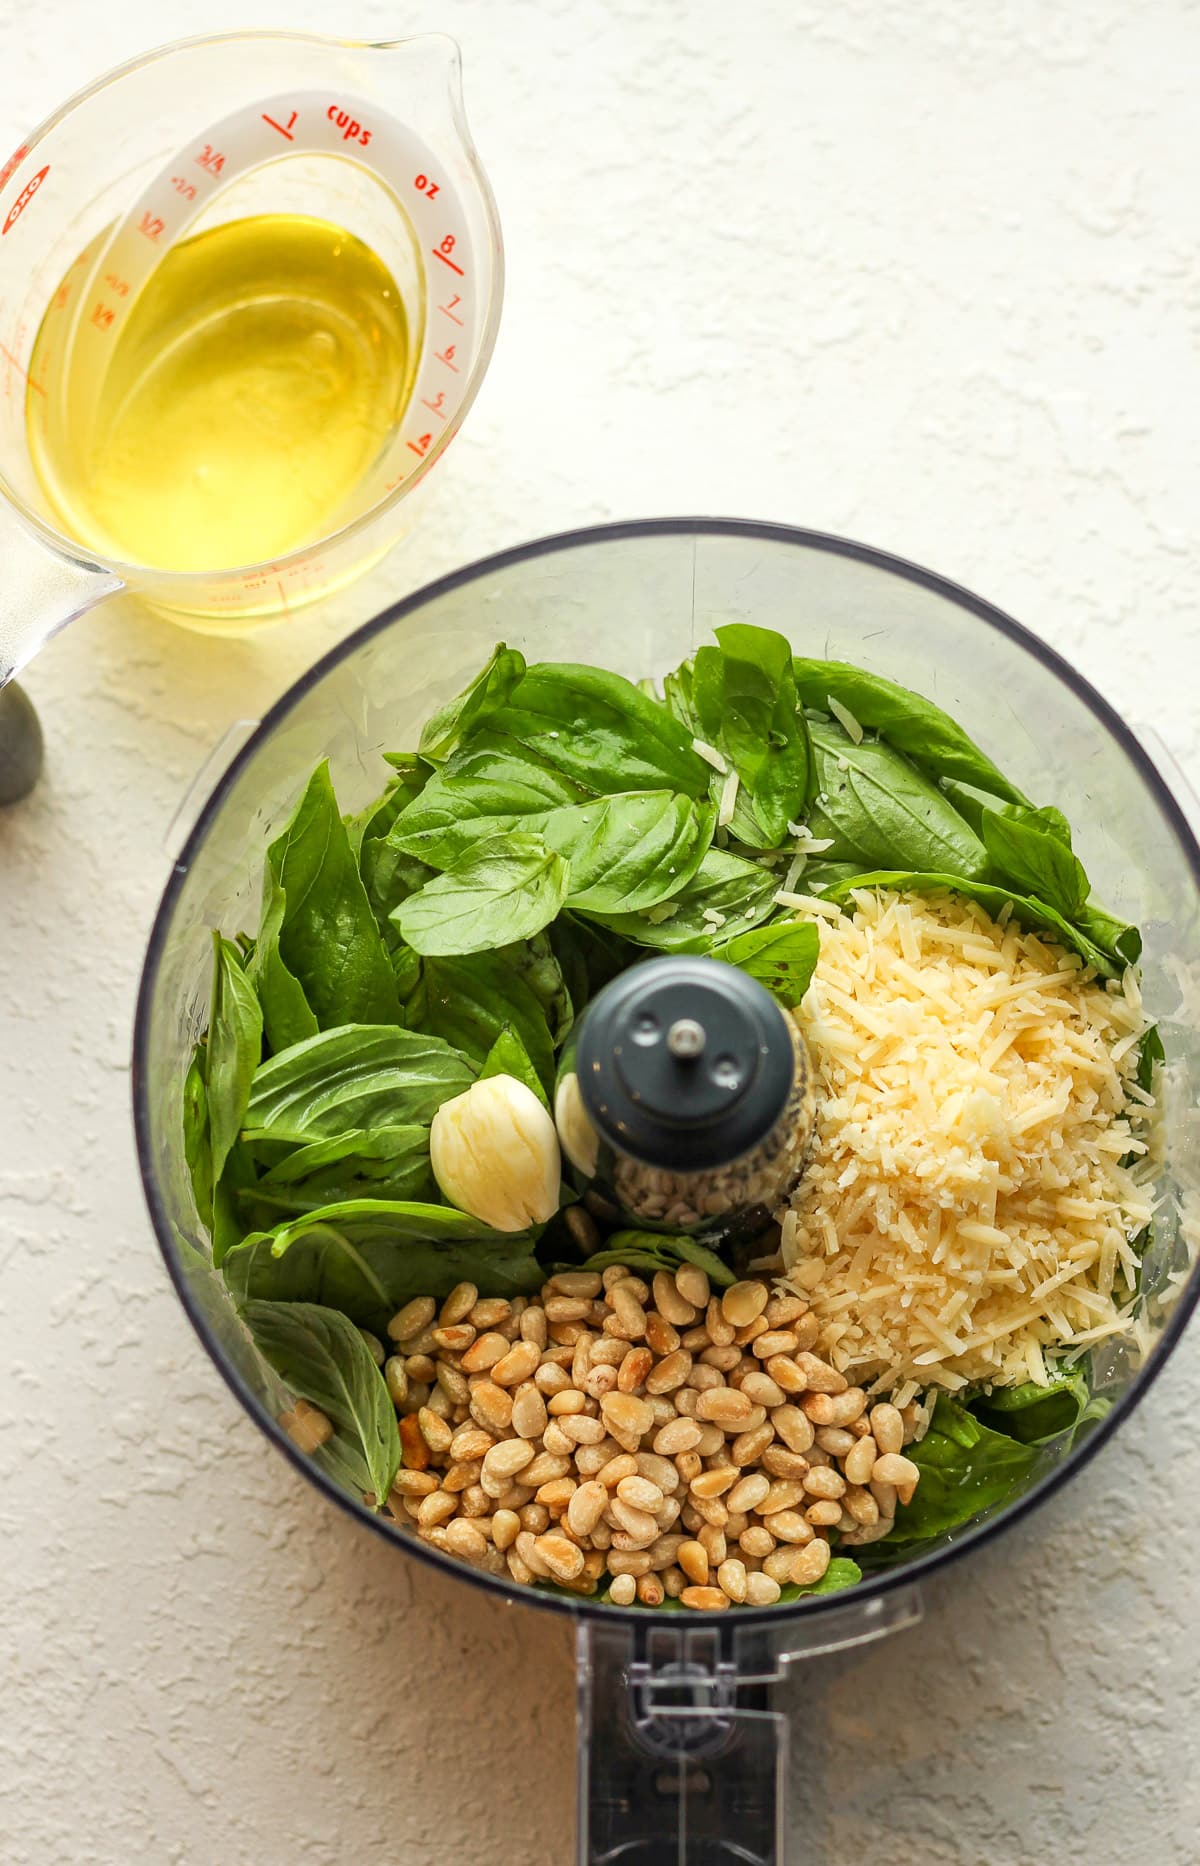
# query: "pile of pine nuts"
675,1441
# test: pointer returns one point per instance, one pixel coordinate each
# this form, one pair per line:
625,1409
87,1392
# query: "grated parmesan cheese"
729,791
846,720
979,1165
710,755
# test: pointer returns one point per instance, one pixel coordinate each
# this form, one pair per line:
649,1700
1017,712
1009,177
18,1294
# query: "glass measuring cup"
369,137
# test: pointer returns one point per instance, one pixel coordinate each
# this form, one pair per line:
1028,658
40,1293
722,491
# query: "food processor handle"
681,1762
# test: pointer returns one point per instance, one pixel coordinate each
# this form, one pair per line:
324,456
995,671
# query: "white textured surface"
928,276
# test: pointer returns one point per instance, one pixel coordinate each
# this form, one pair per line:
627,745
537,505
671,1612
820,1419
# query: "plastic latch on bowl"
218,761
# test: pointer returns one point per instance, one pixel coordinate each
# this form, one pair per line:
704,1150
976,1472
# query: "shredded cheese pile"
973,1191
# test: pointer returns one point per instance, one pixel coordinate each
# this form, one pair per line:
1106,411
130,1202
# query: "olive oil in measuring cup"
261,371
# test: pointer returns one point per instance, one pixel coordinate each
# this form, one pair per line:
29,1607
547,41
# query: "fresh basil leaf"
369,1258
197,1149
484,696
1027,910
965,1468
288,1017
679,700
1121,942
915,726
661,1250
322,1357
389,1163
877,808
328,938
500,890
1150,1055
375,819
1034,1414
588,956
490,787
630,851
469,1001
235,1027
1035,860
736,891
509,1057
596,728
782,956
228,1224
841,1573
365,1075
743,693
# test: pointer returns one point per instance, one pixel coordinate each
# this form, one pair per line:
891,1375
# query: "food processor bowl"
691,1757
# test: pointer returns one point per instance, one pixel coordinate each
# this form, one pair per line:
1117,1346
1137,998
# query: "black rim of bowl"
873,1586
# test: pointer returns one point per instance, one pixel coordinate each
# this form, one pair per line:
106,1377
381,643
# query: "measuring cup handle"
41,591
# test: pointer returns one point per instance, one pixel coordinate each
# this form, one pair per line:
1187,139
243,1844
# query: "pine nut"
438,1507
566,1308
533,1328
633,1369
518,1570
629,1561
420,1369
704,1379
756,1541
786,1374
761,1590
685,1400
616,1273
598,1381
434,1431
556,1441
527,1549
782,1495
474,1501
793,1427
412,1318
568,1401
579,1427
520,1363
641,1493
673,1307
743,1303
704,1599
535,1517
590,1459
529,1412
749,1492
550,1378
543,1468
790,1526
460,1475
688,1464
711,1484
778,1564
749,1446
820,1377
395,1379
711,1439
762,1390
439,1403
810,1563
628,1319
824,1514
608,1351
465,1541
622,1590
639,1524
576,1283
455,1338
824,1483
506,1526
731,1578
502,1463
750,1333
836,1440
692,1557
836,1409
581,1359
862,1507
782,1311
720,1331
490,1310
556,1494
586,1507
453,1384
626,1416
724,1406
888,1429
692,1284
902,1473
859,1462
773,1341
470,1441
696,1340
780,1462
650,1590
712,1540
483,1353
622,1466
674,1581
661,1337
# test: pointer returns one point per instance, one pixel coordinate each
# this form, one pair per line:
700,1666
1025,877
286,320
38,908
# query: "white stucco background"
929,276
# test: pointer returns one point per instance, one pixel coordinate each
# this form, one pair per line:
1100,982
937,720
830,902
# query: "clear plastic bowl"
639,598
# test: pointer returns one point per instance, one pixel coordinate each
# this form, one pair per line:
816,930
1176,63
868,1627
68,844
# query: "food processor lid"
684,1063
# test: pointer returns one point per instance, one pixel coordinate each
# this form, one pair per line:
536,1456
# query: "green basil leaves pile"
554,824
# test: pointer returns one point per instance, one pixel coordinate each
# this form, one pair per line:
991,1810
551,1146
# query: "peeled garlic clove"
494,1153
580,1141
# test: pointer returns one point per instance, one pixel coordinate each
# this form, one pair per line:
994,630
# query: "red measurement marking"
102,316
279,586
436,407
23,199
421,447
29,379
13,164
212,159
423,185
446,356
152,225
447,261
186,188
61,297
120,286
291,124
448,310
